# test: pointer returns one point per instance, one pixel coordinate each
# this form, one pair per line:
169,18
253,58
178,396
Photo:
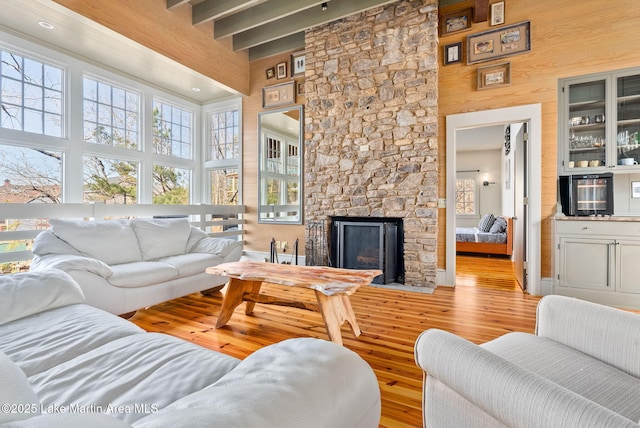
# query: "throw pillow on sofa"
486,222
161,237
117,243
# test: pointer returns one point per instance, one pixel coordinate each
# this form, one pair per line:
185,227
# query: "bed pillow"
486,222
499,226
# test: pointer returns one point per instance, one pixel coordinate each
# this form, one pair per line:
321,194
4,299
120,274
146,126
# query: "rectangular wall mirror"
280,168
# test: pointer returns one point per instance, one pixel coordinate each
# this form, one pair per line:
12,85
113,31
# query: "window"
111,115
466,191
30,175
225,129
223,154
171,186
32,95
171,130
111,181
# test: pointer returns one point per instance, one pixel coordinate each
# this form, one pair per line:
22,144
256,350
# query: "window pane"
25,82
111,181
30,175
171,130
224,138
466,196
171,185
224,186
108,111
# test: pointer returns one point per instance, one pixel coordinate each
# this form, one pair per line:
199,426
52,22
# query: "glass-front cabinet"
599,122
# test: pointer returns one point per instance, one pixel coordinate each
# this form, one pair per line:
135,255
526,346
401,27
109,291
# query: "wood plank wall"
569,38
257,236
171,33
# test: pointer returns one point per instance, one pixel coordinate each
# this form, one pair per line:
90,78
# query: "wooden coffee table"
332,287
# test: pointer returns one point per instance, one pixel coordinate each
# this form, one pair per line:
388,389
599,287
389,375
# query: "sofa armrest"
301,382
510,394
27,293
608,334
218,246
67,262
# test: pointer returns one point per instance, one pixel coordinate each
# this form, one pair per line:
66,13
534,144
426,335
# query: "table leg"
335,310
233,297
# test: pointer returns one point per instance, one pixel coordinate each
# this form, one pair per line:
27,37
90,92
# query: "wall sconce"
324,6
485,180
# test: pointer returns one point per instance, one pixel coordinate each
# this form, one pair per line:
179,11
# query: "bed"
475,240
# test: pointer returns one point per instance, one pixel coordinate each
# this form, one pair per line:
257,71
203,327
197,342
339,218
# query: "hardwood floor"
484,306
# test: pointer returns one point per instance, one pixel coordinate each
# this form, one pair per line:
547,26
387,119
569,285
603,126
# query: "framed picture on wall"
497,13
278,95
453,53
298,63
499,43
456,22
495,75
281,70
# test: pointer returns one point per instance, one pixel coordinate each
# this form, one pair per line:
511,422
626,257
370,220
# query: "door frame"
532,115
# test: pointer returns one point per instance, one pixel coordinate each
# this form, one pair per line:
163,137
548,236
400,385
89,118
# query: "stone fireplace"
371,86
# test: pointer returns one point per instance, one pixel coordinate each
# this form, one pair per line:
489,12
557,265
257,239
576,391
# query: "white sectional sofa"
66,364
581,369
124,265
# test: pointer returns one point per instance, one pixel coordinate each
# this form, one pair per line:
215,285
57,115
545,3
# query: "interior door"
520,208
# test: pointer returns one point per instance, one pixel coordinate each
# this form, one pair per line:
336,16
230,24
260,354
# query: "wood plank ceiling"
268,27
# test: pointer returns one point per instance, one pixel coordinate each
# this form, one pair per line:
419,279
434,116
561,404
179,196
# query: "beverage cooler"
586,195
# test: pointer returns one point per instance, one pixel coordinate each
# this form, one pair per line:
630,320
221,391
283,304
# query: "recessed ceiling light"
46,25
195,89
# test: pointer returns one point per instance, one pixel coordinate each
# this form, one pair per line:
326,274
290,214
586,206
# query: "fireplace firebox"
368,243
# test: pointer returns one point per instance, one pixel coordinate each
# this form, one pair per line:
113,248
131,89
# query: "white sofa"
581,369
67,364
124,265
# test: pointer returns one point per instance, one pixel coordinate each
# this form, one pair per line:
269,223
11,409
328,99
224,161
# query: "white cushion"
141,274
161,237
111,241
15,391
192,264
218,246
26,293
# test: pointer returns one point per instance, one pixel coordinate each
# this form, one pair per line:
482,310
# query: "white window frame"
476,196
234,103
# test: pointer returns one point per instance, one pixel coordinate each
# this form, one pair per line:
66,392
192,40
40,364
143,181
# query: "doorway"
490,173
531,115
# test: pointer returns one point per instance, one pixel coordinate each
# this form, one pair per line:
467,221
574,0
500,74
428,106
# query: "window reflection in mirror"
280,166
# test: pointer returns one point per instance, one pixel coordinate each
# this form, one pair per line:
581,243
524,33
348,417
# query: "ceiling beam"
172,4
260,15
300,21
210,10
285,44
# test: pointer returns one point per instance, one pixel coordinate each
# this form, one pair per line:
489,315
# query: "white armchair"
580,369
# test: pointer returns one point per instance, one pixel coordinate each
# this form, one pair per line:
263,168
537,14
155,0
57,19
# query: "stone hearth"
371,86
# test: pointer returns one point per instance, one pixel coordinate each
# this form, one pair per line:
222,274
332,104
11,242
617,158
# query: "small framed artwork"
492,76
298,63
281,70
453,53
278,95
456,22
635,189
499,43
271,73
497,13
300,88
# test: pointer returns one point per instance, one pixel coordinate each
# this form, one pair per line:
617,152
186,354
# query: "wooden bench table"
332,287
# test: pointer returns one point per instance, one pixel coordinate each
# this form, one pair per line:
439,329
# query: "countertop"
596,218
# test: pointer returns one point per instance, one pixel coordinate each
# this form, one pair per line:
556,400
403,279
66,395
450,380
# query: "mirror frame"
262,209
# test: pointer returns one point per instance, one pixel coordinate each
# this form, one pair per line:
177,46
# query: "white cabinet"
597,260
599,122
